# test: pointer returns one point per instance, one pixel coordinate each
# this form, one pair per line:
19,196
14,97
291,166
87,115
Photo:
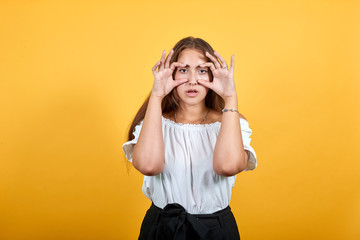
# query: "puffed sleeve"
246,132
128,147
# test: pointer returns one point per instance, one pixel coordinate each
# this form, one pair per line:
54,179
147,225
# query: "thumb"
177,82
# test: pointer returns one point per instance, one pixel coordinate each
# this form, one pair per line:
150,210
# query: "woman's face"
192,92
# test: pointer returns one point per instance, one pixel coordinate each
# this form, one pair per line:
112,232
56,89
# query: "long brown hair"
170,102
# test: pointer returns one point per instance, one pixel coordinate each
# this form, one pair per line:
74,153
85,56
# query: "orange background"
74,73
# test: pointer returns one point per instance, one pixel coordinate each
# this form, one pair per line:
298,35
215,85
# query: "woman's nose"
192,79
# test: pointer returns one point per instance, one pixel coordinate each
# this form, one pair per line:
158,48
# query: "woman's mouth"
192,93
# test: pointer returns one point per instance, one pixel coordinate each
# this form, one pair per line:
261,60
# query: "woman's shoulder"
212,117
242,116
169,115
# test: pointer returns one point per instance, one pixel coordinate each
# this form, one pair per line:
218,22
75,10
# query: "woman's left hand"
223,78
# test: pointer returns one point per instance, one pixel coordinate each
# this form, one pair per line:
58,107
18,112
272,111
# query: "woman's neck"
191,114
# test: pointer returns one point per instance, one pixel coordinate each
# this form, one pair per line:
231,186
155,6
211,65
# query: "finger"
210,65
155,67
167,61
223,62
232,65
176,64
177,82
212,58
162,60
205,83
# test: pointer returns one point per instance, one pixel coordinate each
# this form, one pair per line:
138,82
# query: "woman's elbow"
149,171
228,169
148,168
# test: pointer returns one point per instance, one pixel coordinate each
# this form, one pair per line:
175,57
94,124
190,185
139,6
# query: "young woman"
190,141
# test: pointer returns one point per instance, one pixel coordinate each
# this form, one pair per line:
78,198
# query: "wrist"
156,96
231,102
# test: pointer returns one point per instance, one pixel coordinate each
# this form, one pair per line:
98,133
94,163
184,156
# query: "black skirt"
173,222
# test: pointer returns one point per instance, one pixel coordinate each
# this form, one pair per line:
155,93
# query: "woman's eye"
203,71
182,70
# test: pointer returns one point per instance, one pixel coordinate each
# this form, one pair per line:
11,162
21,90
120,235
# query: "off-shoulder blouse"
188,177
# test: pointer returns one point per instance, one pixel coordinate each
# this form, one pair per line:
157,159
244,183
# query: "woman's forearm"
229,155
148,154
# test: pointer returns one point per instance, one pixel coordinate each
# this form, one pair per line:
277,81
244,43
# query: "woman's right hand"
163,71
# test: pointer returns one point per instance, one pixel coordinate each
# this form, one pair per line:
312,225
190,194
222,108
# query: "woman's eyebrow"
187,65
